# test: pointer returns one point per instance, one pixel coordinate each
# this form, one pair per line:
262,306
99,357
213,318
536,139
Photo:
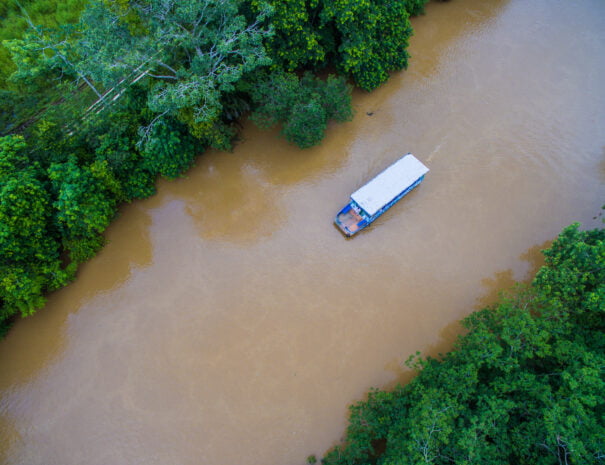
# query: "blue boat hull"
352,218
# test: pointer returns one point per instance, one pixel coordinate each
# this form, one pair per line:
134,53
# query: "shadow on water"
239,197
503,281
403,374
283,164
228,200
434,37
534,258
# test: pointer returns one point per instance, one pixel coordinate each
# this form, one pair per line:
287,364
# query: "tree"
374,37
113,135
298,41
572,281
29,254
304,106
169,150
43,53
13,24
191,52
84,207
365,39
416,7
524,385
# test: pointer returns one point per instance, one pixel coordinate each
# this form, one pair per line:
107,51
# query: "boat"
370,201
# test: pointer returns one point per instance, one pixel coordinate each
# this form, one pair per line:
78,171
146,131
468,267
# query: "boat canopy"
389,184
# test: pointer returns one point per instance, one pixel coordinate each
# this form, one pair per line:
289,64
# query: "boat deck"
350,219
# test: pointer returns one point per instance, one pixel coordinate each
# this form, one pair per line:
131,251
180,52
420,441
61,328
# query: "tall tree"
299,40
374,37
303,105
84,207
191,52
45,53
169,150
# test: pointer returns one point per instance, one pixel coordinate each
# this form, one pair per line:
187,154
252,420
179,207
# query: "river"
228,321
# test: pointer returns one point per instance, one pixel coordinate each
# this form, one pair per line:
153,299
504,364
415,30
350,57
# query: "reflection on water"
237,197
231,202
282,164
228,321
502,281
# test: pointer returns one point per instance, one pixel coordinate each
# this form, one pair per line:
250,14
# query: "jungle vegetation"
524,385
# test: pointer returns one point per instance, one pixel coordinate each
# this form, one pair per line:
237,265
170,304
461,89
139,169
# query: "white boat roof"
389,184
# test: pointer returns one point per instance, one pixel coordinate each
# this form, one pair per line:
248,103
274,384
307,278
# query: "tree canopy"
193,51
304,106
29,255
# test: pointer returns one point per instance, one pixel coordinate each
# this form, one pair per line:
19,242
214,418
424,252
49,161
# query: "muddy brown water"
228,321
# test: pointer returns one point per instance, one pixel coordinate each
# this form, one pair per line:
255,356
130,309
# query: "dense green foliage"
13,25
364,39
525,385
374,38
21,102
29,256
192,53
197,60
298,40
304,105
100,97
